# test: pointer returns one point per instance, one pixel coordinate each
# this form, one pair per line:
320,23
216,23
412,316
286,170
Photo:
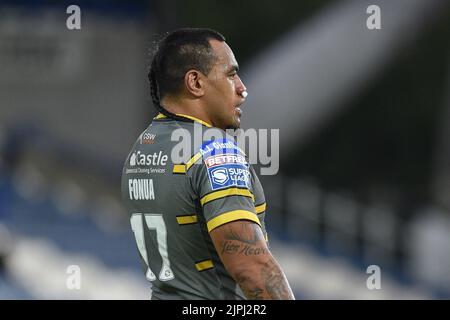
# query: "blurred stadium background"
364,119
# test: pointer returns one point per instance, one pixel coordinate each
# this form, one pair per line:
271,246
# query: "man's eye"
232,75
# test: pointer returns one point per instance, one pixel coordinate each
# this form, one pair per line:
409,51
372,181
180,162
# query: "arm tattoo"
265,279
275,282
271,283
248,233
245,249
253,293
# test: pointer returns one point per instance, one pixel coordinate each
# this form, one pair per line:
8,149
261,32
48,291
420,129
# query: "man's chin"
234,123
234,126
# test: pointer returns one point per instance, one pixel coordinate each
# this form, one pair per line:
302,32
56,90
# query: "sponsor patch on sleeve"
226,170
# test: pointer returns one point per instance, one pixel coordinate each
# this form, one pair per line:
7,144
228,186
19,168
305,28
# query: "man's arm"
244,253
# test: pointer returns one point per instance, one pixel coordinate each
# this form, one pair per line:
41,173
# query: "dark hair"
177,53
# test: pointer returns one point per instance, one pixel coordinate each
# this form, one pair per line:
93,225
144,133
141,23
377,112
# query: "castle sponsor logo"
141,159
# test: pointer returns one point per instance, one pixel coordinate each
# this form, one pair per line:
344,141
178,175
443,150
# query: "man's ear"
194,83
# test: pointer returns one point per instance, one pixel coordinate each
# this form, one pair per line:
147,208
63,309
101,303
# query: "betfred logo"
225,159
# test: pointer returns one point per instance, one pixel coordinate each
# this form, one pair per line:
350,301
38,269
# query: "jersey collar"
162,116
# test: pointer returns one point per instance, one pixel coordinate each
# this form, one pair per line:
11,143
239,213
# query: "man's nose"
240,87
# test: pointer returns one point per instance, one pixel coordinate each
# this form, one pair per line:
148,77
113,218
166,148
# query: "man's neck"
186,107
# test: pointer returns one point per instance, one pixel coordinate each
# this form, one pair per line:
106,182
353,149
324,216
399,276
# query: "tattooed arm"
244,252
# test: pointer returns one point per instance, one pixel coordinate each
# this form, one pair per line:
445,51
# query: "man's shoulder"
222,145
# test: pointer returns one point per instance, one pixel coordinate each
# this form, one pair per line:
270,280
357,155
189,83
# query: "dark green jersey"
173,205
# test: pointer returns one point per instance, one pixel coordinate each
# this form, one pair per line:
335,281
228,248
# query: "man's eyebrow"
234,67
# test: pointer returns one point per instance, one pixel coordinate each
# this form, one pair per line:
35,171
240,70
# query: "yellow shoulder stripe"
204,265
193,160
187,219
226,193
261,208
232,216
183,168
179,168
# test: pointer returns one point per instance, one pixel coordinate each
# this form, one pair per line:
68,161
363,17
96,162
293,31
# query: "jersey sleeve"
224,183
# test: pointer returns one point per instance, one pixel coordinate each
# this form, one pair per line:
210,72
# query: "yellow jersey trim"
187,219
226,193
183,168
204,265
261,208
194,119
179,168
160,116
193,160
232,216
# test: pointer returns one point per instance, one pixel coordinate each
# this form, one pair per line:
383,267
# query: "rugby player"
198,224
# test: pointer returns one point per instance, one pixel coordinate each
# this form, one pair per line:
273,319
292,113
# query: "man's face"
224,88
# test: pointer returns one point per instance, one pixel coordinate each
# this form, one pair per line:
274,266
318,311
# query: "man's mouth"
238,107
